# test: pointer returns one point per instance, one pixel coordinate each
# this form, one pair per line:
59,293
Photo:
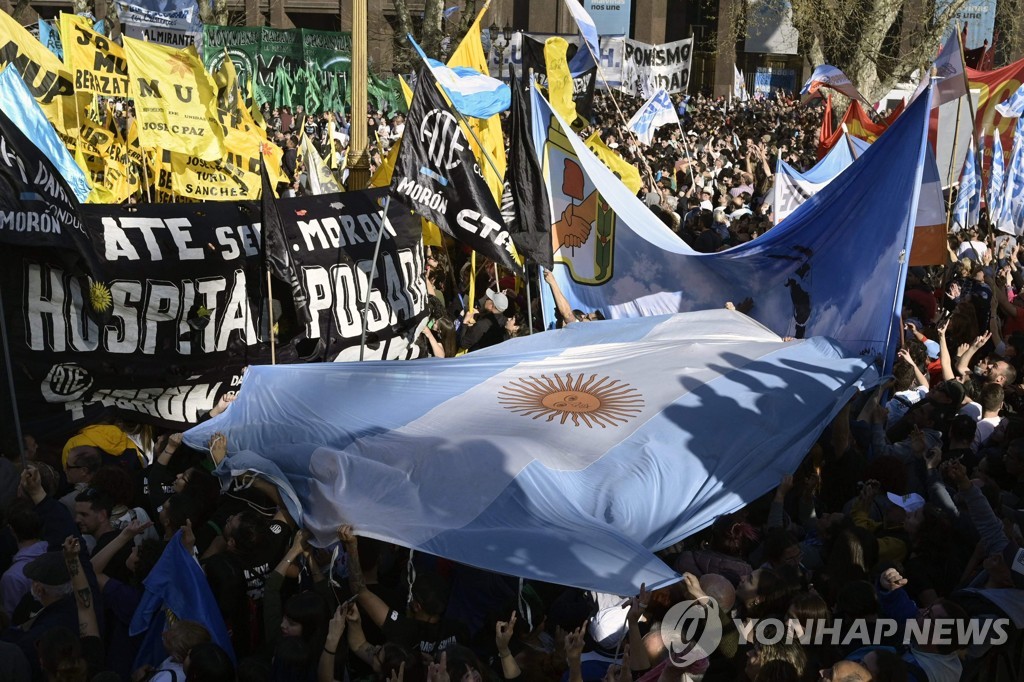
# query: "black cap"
48,569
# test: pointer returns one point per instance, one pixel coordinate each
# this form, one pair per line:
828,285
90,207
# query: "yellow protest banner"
629,174
175,100
97,63
47,79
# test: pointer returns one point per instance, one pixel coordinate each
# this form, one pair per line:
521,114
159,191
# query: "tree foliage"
435,34
876,43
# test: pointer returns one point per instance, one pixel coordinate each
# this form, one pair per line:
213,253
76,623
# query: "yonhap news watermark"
692,630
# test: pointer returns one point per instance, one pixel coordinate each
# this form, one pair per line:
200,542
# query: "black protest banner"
183,309
37,206
437,176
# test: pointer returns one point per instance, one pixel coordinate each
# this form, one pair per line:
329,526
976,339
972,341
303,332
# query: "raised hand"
503,634
891,580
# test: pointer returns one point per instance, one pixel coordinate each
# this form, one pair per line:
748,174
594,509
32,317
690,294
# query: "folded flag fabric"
502,458
471,92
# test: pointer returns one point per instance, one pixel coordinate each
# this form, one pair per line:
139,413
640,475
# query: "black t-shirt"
238,585
117,567
428,638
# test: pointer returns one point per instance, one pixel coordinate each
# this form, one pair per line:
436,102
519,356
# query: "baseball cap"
499,300
933,349
909,503
48,569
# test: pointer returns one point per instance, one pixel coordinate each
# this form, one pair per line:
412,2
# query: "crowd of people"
909,507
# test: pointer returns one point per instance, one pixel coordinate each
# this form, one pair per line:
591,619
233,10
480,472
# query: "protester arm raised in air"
374,606
562,306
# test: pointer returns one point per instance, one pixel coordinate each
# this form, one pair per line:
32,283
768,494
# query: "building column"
649,24
725,49
278,17
252,13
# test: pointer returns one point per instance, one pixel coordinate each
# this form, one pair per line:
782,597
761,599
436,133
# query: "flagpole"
10,383
686,148
145,178
266,268
529,299
373,273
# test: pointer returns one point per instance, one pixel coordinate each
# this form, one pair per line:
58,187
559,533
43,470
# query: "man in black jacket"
485,327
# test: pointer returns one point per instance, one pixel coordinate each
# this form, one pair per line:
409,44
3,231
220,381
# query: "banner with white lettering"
181,308
648,68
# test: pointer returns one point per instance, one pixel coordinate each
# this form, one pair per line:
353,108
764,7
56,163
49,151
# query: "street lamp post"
500,39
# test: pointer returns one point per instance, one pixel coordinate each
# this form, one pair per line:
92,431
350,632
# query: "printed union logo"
590,401
443,138
691,631
65,382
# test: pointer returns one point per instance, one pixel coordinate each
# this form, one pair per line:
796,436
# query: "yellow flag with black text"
49,82
97,63
175,100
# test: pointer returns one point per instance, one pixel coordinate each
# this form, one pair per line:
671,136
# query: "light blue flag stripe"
478,458
18,104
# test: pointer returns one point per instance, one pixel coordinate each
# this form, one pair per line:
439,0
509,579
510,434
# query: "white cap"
499,300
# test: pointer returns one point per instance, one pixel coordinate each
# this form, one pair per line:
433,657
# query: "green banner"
288,66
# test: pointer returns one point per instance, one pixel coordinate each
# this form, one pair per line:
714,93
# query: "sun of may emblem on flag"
591,401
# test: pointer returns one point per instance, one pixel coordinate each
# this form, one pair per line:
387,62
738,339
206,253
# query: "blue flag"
835,268
18,104
177,586
50,37
569,456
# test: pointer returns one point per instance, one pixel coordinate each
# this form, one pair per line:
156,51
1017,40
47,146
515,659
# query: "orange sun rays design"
590,401
180,65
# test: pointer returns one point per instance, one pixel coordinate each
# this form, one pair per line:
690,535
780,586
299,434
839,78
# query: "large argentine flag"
569,456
